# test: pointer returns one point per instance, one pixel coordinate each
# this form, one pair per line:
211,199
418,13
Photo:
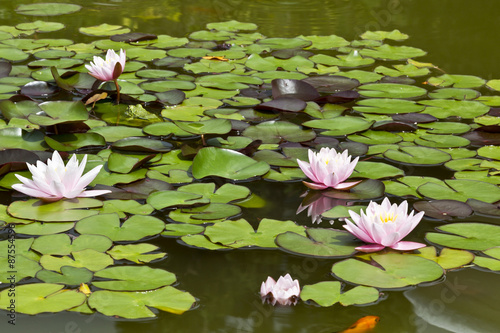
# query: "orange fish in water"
362,325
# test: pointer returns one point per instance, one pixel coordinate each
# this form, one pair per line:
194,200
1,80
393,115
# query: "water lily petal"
407,246
370,248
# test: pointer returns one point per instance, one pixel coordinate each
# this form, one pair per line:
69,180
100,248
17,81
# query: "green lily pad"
418,155
59,211
492,262
275,131
388,52
104,29
142,145
240,233
210,126
39,228
164,199
181,229
129,278
448,258
134,305
376,170
69,275
327,293
231,26
137,253
74,141
387,106
442,141
37,298
91,259
399,70
391,90
24,267
454,93
376,137
408,185
457,81
466,236
226,163
325,42
323,243
61,244
351,60
340,125
57,112
284,43
134,228
381,35
461,190
47,9
443,108
393,271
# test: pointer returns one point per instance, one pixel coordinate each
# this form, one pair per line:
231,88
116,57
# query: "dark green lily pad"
134,305
104,29
57,112
226,163
134,228
36,298
323,243
466,236
393,271
142,145
367,189
129,278
340,125
276,131
327,293
47,9
443,209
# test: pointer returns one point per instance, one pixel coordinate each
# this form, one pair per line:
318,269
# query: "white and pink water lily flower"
54,180
104,69
327,168
384,226
284,292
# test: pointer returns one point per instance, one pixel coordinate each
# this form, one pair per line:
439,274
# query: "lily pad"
61,244
387,106
448,258
104,29
466,236
226,163
327,293
59,211
392,271
69,275
138,253
240,233
323,243
91,259
134,228
129,278
418,155
461,190
443,209
134,305
47,9
37,298
276,131
391,90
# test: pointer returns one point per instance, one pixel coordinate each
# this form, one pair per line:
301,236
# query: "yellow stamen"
388,217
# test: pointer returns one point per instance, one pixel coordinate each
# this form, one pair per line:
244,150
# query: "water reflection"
317,203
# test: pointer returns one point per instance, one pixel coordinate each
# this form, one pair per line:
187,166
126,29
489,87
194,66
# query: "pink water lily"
327,168
108,69
384,226
54,180
285,292
319,204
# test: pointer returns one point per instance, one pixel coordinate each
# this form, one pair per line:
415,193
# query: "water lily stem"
117,91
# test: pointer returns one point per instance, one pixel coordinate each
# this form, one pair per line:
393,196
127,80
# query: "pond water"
460,37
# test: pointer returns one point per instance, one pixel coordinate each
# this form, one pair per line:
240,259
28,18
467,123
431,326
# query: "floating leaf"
104,29
457,81
324,243
134,305
134,228
137,253
59,211
393,271
128,278
36,298
391,90
47,9
61,244
418,155
327,293
387,106
466,236
227,164
91,259
461,190
388,52
448,258
240,233
443,209
275,131
72,276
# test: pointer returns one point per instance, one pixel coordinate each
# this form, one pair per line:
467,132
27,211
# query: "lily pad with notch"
322,243
60,211
328,293
467,236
